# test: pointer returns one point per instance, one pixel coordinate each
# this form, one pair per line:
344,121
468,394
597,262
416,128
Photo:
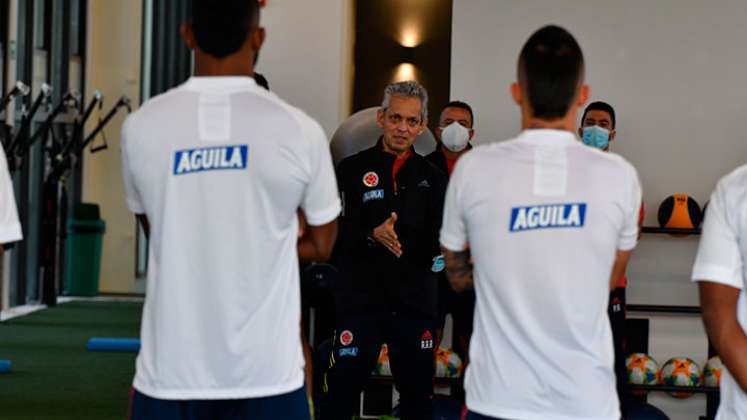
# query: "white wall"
674,71
113,66
307,56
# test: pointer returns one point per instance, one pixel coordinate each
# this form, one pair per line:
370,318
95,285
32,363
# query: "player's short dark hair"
551,68
221,27
600,106
461,105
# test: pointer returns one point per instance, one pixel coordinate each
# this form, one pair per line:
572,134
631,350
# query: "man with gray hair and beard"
388,242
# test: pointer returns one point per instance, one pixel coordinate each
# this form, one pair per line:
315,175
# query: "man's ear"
423,126
613,133
380,118
580,131
583,95
516,93
471,133
258,38
185,29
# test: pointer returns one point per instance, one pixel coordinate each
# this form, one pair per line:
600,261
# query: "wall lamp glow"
410,37
405,71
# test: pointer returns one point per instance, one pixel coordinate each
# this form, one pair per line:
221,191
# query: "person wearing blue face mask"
598,130
598,125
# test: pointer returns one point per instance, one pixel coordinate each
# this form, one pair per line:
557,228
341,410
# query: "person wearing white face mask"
454,132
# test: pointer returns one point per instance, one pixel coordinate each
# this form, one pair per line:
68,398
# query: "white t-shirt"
10,227
220,166
543,216
720,259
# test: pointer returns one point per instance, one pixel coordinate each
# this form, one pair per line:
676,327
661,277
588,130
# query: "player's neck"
566,123
232,65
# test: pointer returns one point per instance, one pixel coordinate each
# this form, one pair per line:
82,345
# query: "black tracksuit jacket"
439,160
372,280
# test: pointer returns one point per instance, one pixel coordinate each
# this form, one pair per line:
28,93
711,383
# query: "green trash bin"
85,231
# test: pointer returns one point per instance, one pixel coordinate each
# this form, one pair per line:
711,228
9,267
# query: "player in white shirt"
720,270
547,226
10,227
217,169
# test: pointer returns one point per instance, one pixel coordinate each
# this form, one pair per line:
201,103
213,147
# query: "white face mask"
455,137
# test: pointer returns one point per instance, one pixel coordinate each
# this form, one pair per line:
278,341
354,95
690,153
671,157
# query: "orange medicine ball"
679,211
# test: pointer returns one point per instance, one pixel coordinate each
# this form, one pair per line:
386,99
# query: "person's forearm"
618,268
309,251
458,269
730,341
316,243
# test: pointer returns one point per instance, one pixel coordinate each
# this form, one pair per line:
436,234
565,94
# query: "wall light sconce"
407,54
409,38
405,71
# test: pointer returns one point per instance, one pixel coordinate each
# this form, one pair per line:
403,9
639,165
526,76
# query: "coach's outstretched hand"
385,235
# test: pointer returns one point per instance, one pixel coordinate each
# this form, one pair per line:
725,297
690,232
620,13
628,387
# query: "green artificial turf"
53,376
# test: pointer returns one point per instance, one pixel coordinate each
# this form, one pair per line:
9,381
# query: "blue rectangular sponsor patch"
547,216
211,159
373,195
348,351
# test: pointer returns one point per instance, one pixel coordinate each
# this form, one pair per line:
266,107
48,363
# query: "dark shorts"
293,405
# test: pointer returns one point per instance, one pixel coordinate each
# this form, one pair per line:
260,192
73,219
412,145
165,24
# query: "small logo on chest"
373,195
371,179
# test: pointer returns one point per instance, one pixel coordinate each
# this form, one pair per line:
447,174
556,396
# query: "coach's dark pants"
354,355
291,406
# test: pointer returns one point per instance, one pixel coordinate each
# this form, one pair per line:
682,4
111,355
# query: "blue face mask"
596,136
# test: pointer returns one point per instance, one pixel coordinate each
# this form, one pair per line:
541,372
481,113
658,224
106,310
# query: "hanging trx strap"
104,146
